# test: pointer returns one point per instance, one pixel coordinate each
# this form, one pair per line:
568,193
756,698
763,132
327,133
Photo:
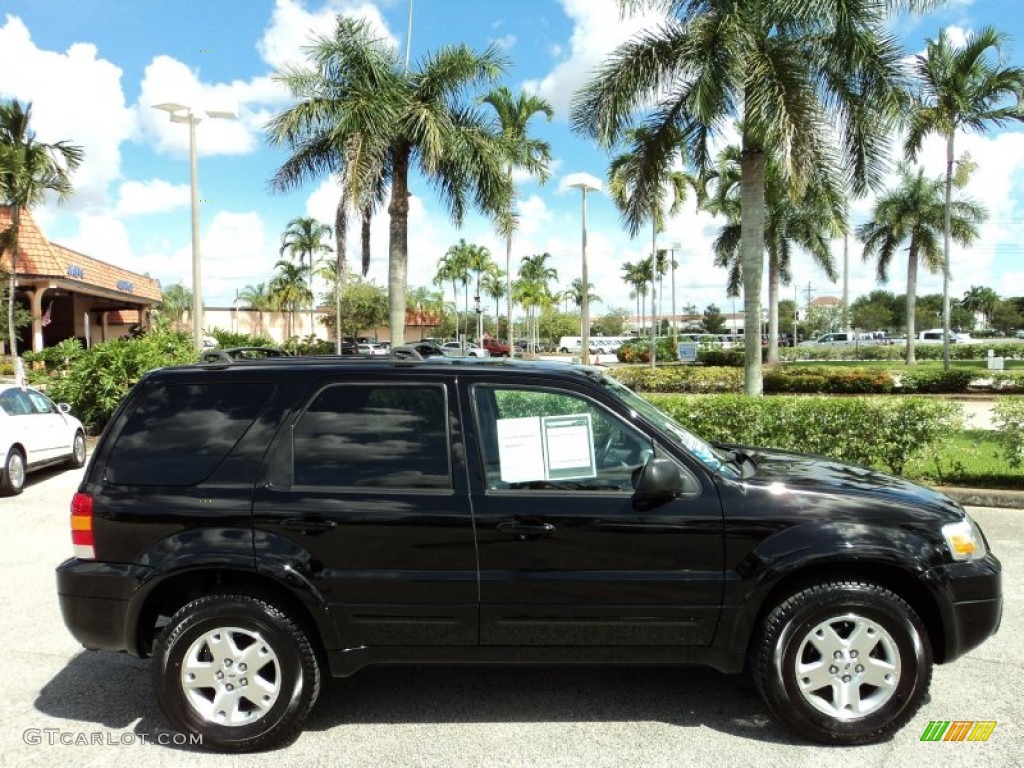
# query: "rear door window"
179,434
374,435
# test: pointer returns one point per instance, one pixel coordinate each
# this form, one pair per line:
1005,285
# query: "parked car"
464,349
496,347
372,350
295,518
35,433
842,339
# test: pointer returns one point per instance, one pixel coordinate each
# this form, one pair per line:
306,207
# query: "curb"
984,497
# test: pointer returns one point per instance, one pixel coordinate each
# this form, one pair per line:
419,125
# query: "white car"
455,349
372,350
35,433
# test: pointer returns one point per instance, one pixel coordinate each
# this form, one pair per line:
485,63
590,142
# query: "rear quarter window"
179,434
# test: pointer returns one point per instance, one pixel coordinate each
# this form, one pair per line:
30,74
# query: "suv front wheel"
843,662
237,671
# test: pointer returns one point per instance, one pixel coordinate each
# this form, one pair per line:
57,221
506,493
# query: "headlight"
964,540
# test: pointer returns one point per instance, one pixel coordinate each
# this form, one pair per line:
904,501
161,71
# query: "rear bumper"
95,600
971,603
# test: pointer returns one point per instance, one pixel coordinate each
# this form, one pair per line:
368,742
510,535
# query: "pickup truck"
496,347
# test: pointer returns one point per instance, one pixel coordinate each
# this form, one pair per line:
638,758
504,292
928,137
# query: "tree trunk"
11,330
773,309
752,260
398,246
364,239
340,238
946,227
911,301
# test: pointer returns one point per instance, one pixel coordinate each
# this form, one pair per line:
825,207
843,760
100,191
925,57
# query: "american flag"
45,321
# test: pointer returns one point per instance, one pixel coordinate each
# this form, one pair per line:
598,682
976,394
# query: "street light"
183,114
672,248
584,182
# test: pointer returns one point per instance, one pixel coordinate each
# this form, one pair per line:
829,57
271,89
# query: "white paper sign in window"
546,448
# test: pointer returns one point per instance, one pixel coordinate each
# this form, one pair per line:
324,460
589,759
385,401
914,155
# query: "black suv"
255,525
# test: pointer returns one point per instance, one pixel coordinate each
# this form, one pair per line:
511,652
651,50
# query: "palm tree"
521,152
28,170
637,179
532,288
494,285
633,275
913,213
454,267
257,297
478,258
174,303
799,76
289,290
303,239
575,292
362,111
427,303
961,88
981,299
807,218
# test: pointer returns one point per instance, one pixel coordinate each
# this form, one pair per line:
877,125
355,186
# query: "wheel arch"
896,579
175,591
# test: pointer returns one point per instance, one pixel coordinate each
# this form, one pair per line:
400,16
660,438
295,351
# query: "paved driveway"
445,716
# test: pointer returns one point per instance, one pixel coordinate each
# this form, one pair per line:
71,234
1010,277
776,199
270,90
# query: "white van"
570,344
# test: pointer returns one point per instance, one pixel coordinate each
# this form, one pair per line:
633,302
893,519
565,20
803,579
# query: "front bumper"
95,601
970,603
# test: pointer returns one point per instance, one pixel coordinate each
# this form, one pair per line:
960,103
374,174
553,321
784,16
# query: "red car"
496,347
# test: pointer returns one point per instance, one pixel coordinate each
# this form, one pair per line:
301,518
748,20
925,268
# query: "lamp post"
584,182
672,248
183,114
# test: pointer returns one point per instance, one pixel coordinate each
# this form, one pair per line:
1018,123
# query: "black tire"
12,476
78,451
860,621
224,631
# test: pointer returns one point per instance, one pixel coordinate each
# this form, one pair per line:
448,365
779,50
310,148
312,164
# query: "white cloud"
77,97
153,196
598,28
505,42
534,215
292,27
104,237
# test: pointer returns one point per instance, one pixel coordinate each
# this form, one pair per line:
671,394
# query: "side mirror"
63,407
659,481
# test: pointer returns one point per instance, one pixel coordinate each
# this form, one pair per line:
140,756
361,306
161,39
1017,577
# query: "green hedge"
819,380
1007,349
870,431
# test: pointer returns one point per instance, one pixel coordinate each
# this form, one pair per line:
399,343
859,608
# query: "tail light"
81,526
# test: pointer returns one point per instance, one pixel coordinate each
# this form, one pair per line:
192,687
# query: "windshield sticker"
546,448
569,447
520,450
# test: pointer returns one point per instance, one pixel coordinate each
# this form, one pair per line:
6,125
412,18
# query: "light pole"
672,248
584,182
182,114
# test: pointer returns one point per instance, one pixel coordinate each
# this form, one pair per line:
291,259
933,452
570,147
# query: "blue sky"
94,68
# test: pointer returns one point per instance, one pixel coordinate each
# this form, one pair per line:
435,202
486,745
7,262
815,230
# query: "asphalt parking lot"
445,716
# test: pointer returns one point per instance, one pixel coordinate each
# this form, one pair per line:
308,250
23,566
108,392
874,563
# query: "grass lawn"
971,459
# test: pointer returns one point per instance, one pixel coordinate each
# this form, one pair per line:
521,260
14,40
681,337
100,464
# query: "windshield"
698,447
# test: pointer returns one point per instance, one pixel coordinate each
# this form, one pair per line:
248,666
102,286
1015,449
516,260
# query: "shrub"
680,378
732,358
927,382
639,351
229,339
98,378
838,381
871,431
308,345
1008,419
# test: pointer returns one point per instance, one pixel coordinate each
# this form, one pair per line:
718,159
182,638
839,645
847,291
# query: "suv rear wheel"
236,670
843,663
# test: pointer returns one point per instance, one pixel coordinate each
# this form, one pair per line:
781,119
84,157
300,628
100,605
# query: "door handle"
526,530
307,526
